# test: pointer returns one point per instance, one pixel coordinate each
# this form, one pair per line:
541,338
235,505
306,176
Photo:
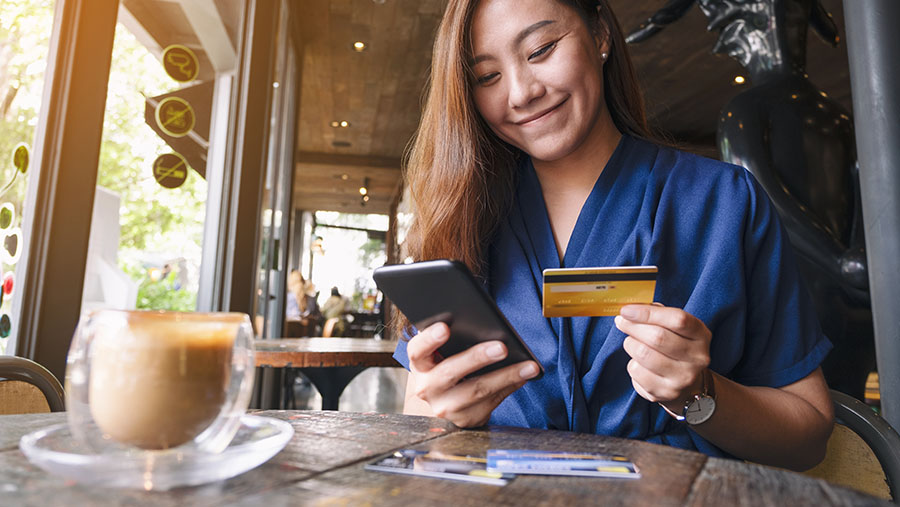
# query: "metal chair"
863,451
18,369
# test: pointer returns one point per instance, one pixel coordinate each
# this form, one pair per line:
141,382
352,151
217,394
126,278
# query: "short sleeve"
400,352
784,341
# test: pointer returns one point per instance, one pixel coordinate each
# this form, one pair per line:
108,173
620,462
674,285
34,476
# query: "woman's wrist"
675,407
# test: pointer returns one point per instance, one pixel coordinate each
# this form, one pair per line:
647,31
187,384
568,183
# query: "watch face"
700,410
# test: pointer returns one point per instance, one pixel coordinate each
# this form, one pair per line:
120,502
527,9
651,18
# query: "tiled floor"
373,390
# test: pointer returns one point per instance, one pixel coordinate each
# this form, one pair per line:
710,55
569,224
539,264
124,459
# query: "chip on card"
596,292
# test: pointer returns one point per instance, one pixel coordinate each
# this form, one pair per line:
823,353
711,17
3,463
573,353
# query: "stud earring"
603,55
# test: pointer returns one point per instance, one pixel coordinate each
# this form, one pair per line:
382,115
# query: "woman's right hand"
442,384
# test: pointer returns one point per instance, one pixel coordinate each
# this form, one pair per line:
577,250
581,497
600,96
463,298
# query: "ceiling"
379,91
208,27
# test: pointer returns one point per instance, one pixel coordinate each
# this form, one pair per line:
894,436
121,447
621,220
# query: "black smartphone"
445,291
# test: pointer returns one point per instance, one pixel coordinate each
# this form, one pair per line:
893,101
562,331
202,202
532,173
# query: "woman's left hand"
669,350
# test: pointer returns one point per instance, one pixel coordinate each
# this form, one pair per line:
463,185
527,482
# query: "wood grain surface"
735,483
323,465
322,441
324,352
12,427
667,474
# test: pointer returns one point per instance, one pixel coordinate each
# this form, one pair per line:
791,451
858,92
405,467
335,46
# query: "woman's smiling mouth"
535,117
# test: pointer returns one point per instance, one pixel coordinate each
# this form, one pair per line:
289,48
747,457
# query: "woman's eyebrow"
530,29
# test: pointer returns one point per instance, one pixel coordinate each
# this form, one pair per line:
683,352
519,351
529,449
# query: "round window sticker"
20,158
180,63
12,241
8,281
175,116
7,215
170,170
20,162
5,326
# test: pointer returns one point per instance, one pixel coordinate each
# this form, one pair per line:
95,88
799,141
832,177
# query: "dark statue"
799,144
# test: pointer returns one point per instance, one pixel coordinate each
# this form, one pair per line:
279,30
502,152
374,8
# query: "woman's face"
537,75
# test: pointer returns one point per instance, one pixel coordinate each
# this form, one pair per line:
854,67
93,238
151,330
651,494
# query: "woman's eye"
486,78
543,50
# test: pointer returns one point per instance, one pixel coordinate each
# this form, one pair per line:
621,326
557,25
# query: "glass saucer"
56,451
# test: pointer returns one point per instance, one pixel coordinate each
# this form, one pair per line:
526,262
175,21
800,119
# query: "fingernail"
495,351
441,334
630,312
618,320
528,371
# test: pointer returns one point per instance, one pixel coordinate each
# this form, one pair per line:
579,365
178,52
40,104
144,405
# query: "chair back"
863,451
27,387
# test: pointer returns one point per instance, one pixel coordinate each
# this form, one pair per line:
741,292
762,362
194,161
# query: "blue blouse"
723,256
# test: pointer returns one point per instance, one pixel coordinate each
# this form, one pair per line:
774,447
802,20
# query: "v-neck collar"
538,219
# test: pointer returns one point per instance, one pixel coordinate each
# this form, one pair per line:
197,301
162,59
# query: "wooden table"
329,363
323,465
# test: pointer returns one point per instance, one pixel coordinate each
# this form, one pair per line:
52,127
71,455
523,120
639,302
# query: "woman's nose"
524,88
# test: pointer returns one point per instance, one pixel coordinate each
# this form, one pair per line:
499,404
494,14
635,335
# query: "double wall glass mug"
157,380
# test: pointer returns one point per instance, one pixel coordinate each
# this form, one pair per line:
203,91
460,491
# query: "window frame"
60,195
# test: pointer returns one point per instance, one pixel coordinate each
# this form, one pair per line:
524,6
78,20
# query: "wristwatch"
700,407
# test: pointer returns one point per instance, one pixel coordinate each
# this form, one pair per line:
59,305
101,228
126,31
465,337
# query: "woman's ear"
604,47
601,33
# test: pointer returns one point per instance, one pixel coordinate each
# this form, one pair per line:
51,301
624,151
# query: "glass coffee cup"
158,380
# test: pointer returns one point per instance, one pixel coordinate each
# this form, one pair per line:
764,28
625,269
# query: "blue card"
516,461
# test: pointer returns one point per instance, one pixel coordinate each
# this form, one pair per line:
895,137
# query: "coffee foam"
159,382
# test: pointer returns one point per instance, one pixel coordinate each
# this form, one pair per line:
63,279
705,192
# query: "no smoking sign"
170,170
175,116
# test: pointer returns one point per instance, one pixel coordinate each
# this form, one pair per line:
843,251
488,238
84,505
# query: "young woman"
534,152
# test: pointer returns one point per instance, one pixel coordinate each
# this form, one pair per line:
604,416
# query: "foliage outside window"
25,28
159,226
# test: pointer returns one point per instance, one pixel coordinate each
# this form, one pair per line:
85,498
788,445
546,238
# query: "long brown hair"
461,176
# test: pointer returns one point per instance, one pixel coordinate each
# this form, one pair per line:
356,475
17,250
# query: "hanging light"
364,192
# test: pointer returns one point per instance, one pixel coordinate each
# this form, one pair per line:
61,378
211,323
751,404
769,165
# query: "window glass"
147,228
25,29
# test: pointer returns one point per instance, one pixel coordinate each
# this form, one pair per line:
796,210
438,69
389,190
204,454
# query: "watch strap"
708,389
677,417
709,385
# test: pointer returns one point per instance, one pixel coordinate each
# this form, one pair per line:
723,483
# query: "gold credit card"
596,292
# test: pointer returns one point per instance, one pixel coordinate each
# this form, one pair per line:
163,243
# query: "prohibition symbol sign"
180,63
170,170
175,116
